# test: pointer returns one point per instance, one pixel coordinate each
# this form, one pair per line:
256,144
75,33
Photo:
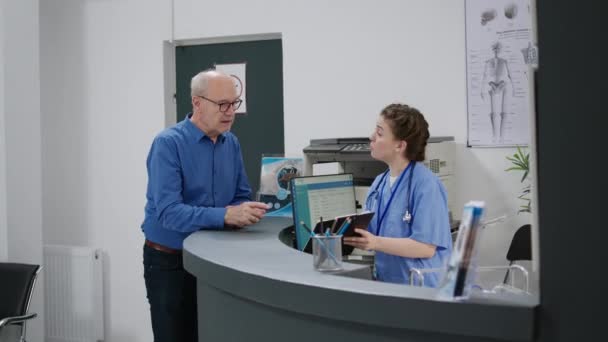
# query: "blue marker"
344,226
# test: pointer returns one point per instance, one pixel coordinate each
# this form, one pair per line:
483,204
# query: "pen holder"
327,252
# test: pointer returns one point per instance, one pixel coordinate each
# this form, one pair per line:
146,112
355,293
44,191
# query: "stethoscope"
407,217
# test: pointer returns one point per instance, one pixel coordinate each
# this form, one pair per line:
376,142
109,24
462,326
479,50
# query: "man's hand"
245,213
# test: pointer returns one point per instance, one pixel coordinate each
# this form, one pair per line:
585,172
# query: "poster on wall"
498,41
238,71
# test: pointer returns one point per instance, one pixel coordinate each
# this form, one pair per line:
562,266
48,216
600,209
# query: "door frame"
169,69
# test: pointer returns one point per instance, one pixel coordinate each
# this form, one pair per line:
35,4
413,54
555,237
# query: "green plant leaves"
521,162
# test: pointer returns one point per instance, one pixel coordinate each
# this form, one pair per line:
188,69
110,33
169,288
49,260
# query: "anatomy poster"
498,45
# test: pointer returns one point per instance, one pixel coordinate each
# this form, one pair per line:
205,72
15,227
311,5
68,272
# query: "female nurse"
410,228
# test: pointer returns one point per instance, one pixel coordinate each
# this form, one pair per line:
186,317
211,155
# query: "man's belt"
162,248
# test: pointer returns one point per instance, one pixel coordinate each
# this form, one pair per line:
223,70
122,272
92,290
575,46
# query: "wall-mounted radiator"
73,286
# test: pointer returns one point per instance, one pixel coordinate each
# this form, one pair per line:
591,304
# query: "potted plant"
521,162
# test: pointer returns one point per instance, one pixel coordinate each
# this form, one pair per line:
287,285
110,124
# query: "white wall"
102,100
345,60
3,226
102,103
23,186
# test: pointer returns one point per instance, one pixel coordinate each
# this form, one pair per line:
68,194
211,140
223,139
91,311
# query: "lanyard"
380,218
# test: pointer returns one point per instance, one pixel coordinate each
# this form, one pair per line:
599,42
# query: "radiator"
73,286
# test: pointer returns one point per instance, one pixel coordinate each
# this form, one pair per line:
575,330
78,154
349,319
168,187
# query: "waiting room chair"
520,248
17,283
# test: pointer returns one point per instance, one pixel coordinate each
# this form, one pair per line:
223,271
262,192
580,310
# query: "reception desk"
253,287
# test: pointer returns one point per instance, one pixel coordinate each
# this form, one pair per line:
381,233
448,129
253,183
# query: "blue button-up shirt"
191,180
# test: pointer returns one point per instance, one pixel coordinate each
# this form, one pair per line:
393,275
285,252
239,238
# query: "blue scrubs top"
429,223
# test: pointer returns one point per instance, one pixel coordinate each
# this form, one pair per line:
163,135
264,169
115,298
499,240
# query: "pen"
333,226
307,229
344,226
321,224
329,252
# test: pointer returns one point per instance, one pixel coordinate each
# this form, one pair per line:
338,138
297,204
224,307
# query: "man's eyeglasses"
224,106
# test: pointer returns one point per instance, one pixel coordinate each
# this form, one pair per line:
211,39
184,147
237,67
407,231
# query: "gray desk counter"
252,286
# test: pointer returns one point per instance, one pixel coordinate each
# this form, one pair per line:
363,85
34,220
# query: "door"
261,129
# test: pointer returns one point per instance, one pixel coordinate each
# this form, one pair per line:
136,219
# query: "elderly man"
196,180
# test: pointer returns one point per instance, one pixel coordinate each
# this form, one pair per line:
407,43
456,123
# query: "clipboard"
360,221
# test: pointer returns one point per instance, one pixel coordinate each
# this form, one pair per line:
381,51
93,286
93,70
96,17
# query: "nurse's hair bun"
407,123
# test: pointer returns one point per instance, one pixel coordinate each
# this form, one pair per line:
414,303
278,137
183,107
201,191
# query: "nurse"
411,225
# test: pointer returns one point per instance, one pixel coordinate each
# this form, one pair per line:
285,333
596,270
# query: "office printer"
352,155
334,145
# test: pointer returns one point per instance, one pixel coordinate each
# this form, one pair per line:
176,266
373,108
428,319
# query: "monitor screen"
324,196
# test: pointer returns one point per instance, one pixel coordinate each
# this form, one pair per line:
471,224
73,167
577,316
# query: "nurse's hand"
366,241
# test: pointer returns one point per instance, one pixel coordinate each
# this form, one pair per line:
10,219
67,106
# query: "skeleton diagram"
496,74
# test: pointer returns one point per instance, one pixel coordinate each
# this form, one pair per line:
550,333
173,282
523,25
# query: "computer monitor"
324,196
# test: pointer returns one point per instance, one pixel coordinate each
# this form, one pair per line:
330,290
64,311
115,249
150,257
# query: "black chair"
17,283
521,247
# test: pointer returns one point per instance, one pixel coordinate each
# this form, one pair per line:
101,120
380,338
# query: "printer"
352,155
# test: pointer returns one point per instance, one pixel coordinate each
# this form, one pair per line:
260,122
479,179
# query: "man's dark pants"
172,297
